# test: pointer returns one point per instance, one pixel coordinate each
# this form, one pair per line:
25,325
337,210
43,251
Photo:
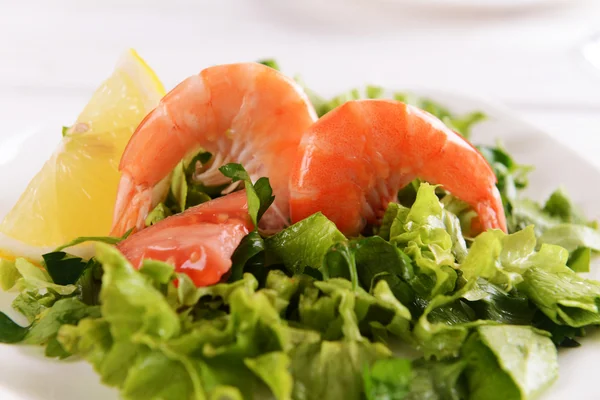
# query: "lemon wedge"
74,192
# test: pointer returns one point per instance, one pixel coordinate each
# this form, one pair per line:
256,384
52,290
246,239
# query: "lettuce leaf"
560,205
31,303
100,239
184,192
512,261
373,259
140,330
559,222
304,244
158,213
572,237
492,303
335,309
130,303
63,268
562,295
509,362
332,370
445,325
401,379
45,325
67,311
251,246
512,177
35,278
10,331
389,378
9,274
270,63
273,369
437,380
422,233
580,259
260,194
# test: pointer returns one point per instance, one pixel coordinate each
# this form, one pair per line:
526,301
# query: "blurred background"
526,54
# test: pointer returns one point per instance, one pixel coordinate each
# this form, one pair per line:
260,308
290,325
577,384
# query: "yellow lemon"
74,193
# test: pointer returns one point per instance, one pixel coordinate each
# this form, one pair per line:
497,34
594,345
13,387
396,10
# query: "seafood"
246,113
198,242
352,162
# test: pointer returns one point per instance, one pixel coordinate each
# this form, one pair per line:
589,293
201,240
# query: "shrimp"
352,162
246,113
198,242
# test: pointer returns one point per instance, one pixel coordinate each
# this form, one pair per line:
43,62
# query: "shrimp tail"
491,214
131,207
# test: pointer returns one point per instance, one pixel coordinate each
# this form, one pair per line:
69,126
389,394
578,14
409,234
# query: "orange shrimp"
246,113
352,162
198,242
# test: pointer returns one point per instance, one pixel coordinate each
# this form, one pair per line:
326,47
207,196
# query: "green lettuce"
100,239
9,274
270,63
437,380
233,334
260,194
35,278
509,362
45,324
158,213
558,221
572,237
542,275
184,192
273,370
445,324
389,378
244,347
422,232
563,296
10,331
401,379
304,244
366,261
491,302
512,178
332,370
139,329
335,309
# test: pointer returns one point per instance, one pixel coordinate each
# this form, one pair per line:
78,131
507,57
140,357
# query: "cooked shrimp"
246,113
352,162
198,242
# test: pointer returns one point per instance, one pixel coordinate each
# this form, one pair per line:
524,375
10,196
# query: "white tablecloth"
53,54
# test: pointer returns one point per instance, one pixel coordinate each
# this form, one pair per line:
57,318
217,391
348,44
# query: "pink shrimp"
198,242
246,113
352,162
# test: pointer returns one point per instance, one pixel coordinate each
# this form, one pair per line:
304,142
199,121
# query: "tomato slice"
198,242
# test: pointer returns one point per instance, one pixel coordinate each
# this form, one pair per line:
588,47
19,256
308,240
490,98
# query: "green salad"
420,308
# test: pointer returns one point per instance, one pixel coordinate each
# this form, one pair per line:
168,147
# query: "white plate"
25,374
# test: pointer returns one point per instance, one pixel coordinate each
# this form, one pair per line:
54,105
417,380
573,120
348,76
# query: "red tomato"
198,242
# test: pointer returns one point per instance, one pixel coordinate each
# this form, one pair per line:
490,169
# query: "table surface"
53,56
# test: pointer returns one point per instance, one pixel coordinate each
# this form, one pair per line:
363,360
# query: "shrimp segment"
248,113
352,162
198,242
